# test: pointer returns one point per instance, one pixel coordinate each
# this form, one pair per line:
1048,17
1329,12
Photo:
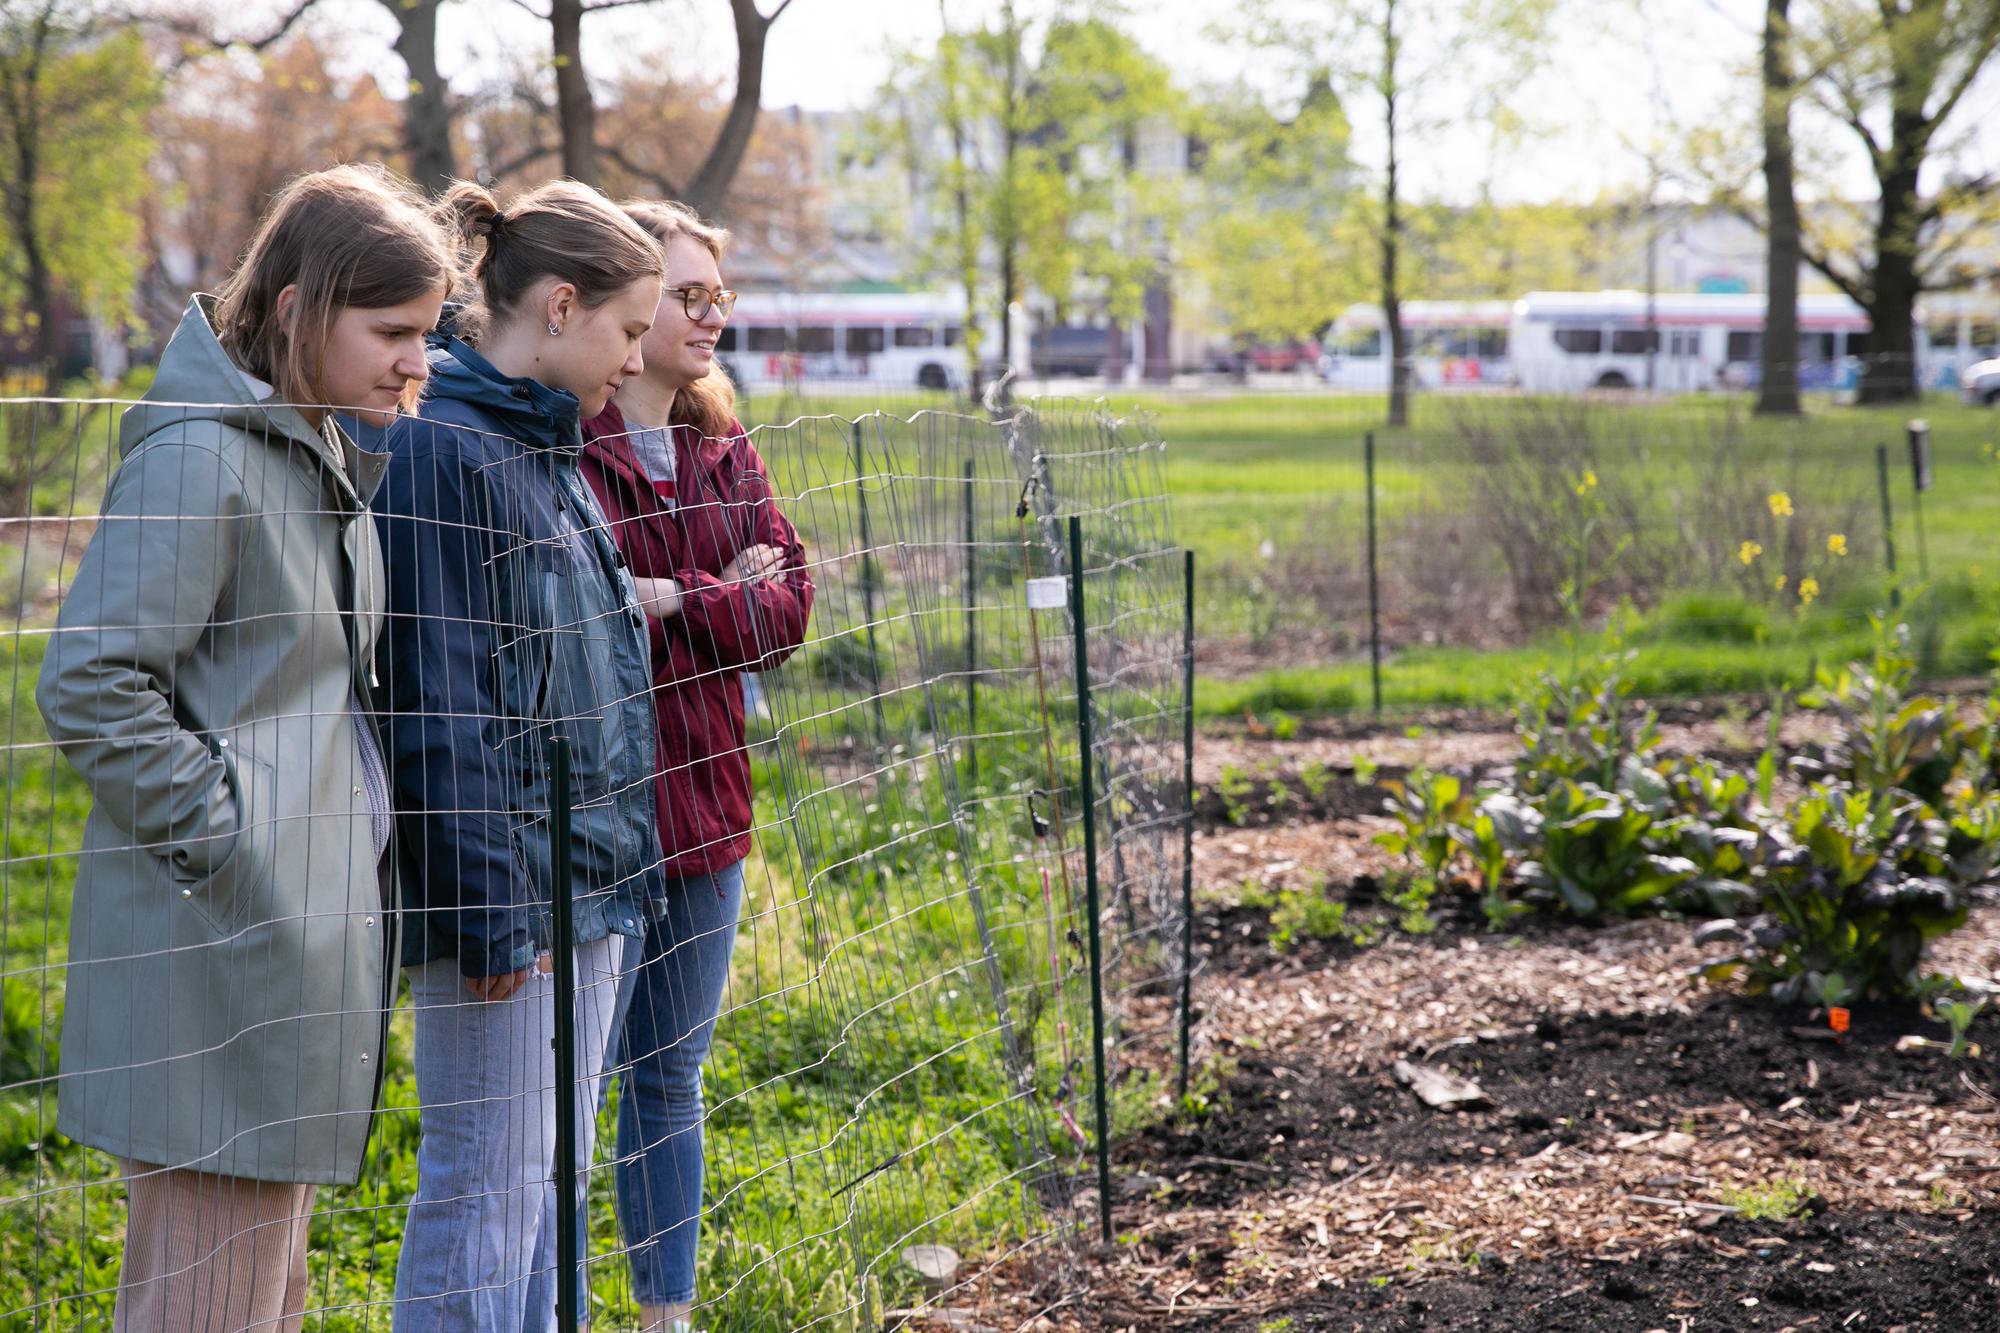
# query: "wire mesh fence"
870,1012
1745,548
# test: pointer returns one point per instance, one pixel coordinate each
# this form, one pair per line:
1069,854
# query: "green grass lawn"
1270,491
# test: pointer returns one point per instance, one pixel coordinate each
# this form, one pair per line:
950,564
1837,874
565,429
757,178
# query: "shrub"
1850,889
1597,853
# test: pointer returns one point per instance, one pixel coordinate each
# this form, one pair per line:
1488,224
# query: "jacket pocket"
223,896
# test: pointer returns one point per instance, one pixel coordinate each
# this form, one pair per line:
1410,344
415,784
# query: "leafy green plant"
1429,810
1502,827
1583,728
1312,915
1317,779
1235,787
1959,1014
1887,739
1852,888
1284,726
1597,853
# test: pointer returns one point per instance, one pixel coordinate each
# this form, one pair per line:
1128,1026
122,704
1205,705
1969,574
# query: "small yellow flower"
1748,552
1781,505
1779,582
1808,589
1588,483
1836,543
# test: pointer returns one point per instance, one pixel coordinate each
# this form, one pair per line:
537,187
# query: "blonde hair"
348,237
560,230
708,404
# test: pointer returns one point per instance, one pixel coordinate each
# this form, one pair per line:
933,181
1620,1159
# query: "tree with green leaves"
1020,139
74,98
1895,74
1426,67
1279,242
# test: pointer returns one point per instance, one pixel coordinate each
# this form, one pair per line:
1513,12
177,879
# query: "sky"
1620,75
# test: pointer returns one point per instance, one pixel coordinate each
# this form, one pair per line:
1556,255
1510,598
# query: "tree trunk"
427,113
1778,392
1008,232
705,193
1392,233
1890,375
576,113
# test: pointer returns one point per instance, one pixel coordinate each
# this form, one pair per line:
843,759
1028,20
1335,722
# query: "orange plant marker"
1837,1020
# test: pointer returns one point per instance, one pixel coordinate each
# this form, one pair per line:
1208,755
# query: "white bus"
1954,331
904,340
1451,343
1564,342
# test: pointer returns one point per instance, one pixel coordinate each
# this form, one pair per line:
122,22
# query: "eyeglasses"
697,301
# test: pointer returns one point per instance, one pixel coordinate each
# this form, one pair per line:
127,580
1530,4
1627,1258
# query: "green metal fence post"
1088,796
569,1256
1888,525
1374,607
971,632
1187,828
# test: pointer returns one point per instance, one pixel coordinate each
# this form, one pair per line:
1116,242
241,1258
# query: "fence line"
903,1053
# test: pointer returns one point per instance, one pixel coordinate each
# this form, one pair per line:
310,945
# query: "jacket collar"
198,379
531,412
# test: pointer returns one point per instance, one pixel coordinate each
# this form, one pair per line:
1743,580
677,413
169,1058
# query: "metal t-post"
971,633
1187,827
1888,525
1086,765
1374,607
563,946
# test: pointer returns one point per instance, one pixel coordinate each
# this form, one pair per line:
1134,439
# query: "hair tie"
494,223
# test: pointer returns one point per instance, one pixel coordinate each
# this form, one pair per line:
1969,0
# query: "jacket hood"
526,409
198,381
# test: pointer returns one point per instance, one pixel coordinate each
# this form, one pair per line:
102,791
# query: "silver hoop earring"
555,330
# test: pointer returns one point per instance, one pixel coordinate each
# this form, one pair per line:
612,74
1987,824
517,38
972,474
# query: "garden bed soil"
1895,1271
1590,1083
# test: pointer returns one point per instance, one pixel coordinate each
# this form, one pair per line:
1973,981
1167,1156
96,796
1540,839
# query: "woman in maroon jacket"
724,579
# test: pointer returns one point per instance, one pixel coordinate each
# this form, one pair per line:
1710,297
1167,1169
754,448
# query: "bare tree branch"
1855,289
658,180
533,153
1989,37
193,31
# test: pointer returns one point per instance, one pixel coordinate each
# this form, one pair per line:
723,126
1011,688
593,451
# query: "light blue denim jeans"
672,999
479,1250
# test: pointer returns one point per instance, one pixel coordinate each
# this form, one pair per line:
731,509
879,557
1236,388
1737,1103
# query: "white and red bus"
1451,343
1568,341
1565,342
908,340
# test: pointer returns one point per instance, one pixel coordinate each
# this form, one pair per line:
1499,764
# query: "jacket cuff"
488,956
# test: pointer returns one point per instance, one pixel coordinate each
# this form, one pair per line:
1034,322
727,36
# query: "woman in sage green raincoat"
232,940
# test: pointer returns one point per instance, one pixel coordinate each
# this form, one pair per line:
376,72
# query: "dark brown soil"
1583,1082
1896,1270
1237,938
1339,797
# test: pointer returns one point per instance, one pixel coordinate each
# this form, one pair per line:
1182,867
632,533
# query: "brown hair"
350,236
560,230
709,404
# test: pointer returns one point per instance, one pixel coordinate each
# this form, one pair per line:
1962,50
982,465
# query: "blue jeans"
479,1250
674,996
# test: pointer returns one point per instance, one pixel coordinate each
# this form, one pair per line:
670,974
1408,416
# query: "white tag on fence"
1048,593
